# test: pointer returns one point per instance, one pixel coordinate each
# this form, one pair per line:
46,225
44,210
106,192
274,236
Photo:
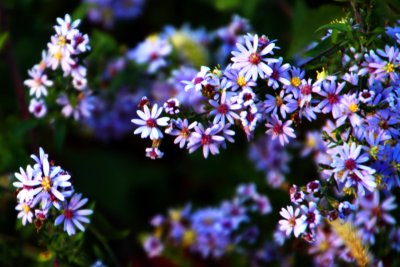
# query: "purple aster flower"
332,98
348,110
280,130
149,121
25,211
208,139
293,221
224,109
73,216
182,130
154,153
280,74
348,160
25,183
313,217
250,61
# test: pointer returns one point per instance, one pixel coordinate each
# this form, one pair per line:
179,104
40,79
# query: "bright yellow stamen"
295,81
46,184
353,107
241,81
390,67
62,41
58,55
322,74
25,208
189,237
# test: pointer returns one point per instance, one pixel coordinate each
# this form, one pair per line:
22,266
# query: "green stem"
103,241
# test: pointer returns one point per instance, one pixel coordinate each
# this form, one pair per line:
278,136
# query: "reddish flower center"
68,214
223,109
250,117
278,128
366,94
254,58
247,96
198,80
151,123
306,89
205,139
350,164
153,56
333,98
275,75
38,108
292,221
310,217
171,104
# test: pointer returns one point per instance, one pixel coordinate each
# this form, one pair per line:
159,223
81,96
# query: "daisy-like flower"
346,160
171,106
152,52
280,130
292,222
238,81
198,81
224,109
25,183
25,212
375,212
208,139
348,110
331,102
37,108
276,103
38,83
280,74
250,61
73,216
313,217
154,153
182,130
46,185
149,121
82,109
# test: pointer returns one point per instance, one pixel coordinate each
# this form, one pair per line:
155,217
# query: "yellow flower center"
353,107
378,180
62,41
46,183
390,67
295,81
25,208
311,143
241,81
374,151
152,38
324,246
58,55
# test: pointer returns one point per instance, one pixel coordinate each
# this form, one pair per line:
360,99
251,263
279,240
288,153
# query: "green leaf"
81,11
3,39
226,4
306,21
59,137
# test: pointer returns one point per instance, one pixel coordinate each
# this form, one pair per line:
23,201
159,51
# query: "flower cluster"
107,12
357,151
63,52
213,231
44,191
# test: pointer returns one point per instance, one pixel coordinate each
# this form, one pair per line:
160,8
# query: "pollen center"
353,107
46,183
57,55
151,123
241,81
390,67
25,208
62,41
254,58
295,81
